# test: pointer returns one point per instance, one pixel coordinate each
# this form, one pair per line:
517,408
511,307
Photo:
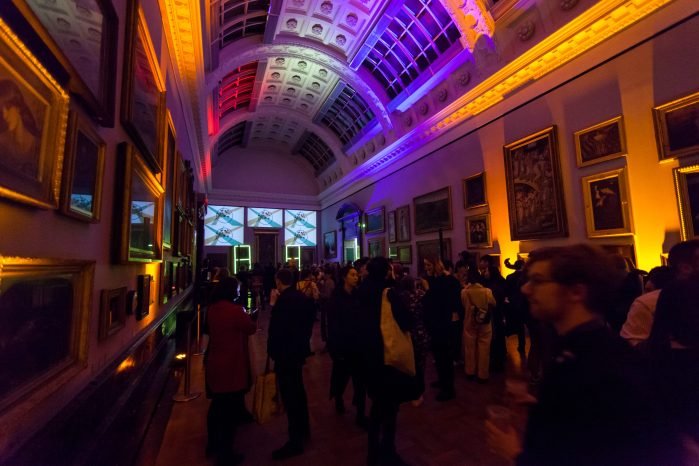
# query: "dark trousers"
457,336
444,362
383,419
344,368
293,393
224,414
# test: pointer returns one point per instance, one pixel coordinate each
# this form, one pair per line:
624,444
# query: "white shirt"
639,321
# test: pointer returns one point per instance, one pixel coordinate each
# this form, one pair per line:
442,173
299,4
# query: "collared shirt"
639,322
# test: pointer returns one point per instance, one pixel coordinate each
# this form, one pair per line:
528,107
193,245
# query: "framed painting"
403,223
330,244
143,94
627,251
83,38
45,315
687,186
677,127
374,220
607,211
601,142
534,187
391,226
431,248
392,253
143,296
433,211
376,247
32,126
112,312
141,206
474,191
405,254
169,182
478,232
83,171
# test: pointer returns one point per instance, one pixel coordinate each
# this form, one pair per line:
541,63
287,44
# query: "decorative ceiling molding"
473,20
252,199
600,22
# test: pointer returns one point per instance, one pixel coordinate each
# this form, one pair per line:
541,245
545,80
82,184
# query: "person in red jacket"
227,364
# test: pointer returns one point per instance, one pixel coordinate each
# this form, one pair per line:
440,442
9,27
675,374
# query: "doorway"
266,247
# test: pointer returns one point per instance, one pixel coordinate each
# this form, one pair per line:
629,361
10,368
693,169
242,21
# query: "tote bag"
397,344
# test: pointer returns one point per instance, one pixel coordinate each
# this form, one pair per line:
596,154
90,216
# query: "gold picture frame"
474,191
112,312
140,210
478,230
83,171
32,147
433,211
676,129
601,142
687,187
607,211
45,310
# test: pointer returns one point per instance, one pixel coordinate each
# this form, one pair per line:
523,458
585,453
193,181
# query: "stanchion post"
187,395
198,349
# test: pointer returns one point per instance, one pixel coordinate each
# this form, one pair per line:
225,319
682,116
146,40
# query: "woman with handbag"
478,302
227,366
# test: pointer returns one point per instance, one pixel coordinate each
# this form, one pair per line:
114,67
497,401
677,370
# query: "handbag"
397,345
265,401
480,315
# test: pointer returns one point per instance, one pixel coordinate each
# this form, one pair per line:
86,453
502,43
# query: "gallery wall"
29,232
653,73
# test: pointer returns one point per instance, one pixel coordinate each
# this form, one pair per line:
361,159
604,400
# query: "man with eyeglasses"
595,405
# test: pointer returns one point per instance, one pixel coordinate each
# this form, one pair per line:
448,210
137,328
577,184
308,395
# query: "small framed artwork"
112,312
143,296
478,232
143,97
376,247
474,191
534,187
374,220
433,211
83,38
169,184
32,126
601,142
607,211
687,186
405,254
403,223
45,314
83,170
330,244
391,226
432,249
677,127
140,229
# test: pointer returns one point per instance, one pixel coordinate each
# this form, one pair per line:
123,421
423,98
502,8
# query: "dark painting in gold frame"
83,171
687,186
433,211
677,127
143,95
32,127
112,312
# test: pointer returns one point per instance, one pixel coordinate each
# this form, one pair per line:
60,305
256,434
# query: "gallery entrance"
266,247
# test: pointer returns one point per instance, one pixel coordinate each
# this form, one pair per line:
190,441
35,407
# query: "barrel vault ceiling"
349,86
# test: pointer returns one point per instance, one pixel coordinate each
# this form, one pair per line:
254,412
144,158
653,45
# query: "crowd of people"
612,360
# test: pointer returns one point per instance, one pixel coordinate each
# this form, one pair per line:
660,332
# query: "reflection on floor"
434,434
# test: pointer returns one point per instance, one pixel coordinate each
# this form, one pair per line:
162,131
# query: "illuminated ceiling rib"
345,113
313,149
421,33
242,18
235,89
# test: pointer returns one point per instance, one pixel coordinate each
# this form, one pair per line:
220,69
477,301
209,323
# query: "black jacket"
290,328
343,325
441,300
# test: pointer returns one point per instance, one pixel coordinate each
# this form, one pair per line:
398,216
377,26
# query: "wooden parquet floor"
434,434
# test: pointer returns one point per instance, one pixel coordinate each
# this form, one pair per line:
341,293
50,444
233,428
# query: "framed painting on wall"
169,178
474,191
429,249
607,211
45,314
433,211
677,127
478,232
375,247
374,220
405,254
601,142
391,226
83,170
143,296
143,96
32,126
140,227
330,244
627,251
534,187
83,38
112,312
403,223
687,186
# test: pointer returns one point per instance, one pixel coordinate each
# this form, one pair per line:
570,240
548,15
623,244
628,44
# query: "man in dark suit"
290,329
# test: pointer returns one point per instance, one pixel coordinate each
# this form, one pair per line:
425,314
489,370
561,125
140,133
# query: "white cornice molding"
263,199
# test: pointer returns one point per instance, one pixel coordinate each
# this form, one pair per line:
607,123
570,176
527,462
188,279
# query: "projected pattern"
223,226
300,228
263,217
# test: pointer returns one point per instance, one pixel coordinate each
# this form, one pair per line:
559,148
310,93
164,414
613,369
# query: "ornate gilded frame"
593,200
579,135
684,202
